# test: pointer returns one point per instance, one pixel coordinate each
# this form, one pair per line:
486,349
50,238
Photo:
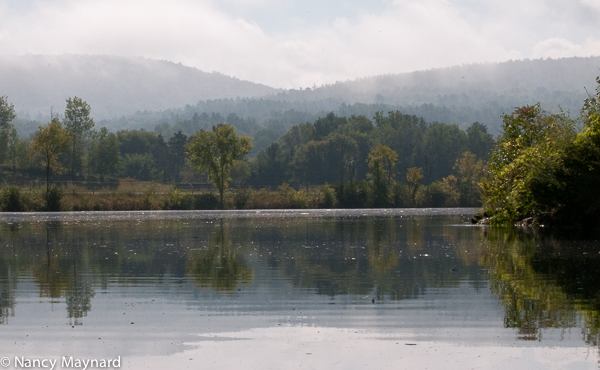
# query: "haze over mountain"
164,92
112,85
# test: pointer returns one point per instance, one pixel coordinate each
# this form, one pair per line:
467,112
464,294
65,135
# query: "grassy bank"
131,195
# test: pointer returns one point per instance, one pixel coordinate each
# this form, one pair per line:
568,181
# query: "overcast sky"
302,43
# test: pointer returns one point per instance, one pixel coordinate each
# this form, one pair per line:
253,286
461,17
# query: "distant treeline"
337,150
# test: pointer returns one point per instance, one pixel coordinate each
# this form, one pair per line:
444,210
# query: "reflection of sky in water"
315,311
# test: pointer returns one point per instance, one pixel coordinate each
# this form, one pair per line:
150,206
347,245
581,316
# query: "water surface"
319,289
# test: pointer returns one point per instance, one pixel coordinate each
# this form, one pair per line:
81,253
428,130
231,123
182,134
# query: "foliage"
382,161
50,141
53,199
414,175
138,166
470,172
522,169
7,113
206,201
78,124
240,198
327,197
104,157
178,200
11,200
215,151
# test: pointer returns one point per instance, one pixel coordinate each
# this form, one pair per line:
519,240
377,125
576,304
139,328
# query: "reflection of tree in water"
384,256
49,275
544,283
218,265
8,286
8,272
65,270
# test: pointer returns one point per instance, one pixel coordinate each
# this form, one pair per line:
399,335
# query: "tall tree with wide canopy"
215,151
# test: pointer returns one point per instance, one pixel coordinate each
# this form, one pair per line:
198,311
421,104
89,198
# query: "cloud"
561,48
244,38
595,4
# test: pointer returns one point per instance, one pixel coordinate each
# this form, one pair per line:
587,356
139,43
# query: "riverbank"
143,196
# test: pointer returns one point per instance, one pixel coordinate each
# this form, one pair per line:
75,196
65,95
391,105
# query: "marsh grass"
133,195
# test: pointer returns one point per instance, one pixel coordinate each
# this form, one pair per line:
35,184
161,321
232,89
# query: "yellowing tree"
414,175
50,141
215,152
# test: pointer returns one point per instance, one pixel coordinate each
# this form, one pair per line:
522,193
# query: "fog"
292,43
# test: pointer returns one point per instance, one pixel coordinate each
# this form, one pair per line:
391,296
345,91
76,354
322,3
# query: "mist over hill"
135,93
112,85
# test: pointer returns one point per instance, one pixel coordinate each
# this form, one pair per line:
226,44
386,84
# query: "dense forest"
393,159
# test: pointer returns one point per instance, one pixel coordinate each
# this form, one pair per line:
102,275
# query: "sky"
304,43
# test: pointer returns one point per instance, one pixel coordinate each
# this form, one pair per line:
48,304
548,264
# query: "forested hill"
458,95
113,86
130,93
469,93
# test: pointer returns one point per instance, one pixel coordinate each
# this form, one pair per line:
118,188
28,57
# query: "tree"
470,172
382,162
50,142
414,175
215,151
177,146
522,180
479,141
442,144
344,151
7,113
163,156
104,154
78,124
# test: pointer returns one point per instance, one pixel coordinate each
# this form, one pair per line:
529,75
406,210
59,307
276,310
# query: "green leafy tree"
470,172
7,113
344,151
382,162
215,152
575,200
177,147
79,125
521,181
104,154
442,144
17,150
50,141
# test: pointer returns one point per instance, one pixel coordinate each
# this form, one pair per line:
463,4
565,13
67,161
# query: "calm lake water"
418,289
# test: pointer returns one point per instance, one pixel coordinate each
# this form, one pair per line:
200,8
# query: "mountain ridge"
141,93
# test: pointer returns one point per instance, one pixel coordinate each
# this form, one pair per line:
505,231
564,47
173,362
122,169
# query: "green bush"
206,201
53,198
327,199
240,198
179,200
12,200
